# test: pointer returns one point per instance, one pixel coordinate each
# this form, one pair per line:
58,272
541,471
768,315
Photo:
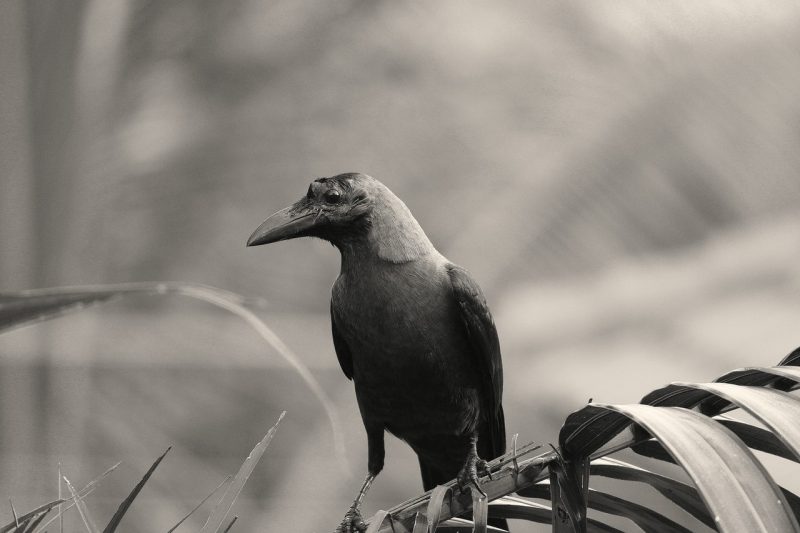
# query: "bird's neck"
392,235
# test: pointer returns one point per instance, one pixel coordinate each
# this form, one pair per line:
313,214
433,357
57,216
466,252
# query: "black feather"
342,351
482,333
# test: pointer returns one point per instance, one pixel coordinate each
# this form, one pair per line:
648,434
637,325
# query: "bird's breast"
397,314
408,345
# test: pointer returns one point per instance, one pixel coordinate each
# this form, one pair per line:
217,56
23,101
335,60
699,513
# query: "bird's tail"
492,436
432,475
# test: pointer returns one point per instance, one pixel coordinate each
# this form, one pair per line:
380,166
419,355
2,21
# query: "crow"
410,329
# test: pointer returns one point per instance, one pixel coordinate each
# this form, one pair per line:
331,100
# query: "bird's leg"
353,522
473,466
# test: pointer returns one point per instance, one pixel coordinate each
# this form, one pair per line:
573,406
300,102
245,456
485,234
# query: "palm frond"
682,423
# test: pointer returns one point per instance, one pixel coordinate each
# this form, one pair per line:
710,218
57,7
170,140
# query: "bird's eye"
333,197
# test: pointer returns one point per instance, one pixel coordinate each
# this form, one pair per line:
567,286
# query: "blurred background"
621,178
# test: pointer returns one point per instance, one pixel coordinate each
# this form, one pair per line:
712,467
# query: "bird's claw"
483,469
353,522
469,474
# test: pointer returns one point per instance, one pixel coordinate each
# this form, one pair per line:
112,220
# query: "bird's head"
331,208
346,209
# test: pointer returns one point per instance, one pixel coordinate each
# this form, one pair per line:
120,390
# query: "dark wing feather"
342,351
482,334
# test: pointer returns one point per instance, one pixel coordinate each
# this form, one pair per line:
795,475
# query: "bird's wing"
342,351
482,335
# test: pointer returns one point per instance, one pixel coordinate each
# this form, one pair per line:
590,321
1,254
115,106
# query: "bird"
411,329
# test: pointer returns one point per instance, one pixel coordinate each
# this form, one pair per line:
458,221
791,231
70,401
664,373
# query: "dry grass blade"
568,495
93,483
230,525
199,505
14,512
126,503
33,524
459,525
82,510
26,525
480,512
221,510
60,510
420,523
83,493
27,307
434,512
378,520
43,527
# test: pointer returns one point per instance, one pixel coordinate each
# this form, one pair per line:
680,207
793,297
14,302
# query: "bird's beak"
288,223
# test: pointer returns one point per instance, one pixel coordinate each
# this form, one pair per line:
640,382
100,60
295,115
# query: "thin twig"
87,521
13,512
60,515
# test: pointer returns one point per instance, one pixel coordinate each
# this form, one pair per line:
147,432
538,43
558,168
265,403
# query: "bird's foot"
473,467
353,522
